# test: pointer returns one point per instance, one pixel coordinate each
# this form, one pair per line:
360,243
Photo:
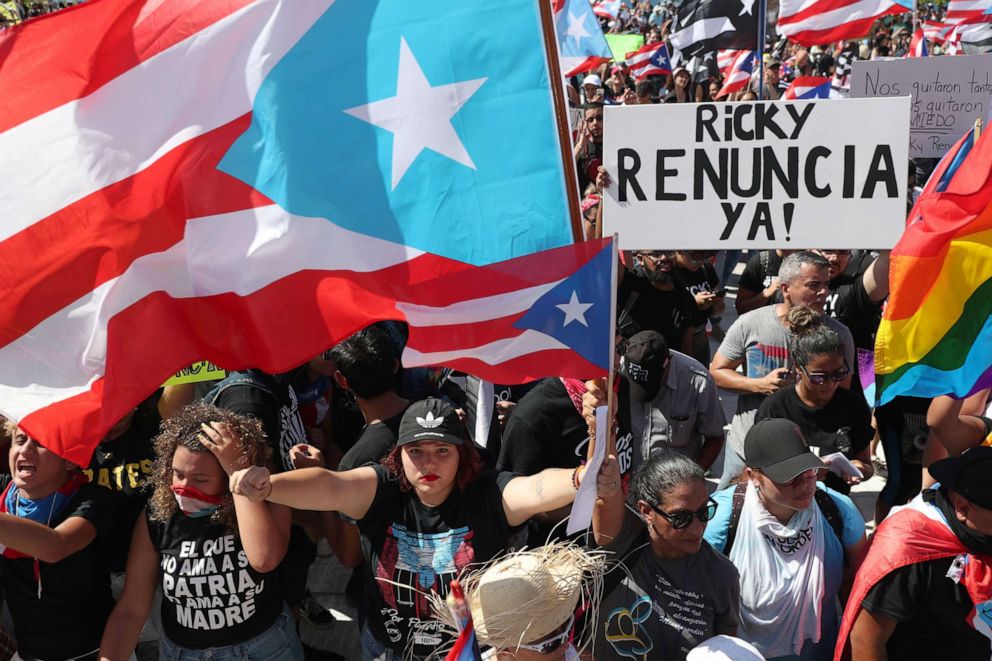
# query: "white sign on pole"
949,94
764,174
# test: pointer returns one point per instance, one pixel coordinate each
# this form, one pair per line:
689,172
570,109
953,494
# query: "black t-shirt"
931,610
848,303
702,279
545,431
346,418
761,267
272,403
408,543
667,312
375,443
846,416
68,619
121,467
211,595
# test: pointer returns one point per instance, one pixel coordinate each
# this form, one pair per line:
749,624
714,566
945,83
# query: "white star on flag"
576,28
746,7
574,310
419,116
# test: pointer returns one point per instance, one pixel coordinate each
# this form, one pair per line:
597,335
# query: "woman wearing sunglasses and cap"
833,419
791,539
678,591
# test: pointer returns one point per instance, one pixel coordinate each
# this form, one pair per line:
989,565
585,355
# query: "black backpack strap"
831,513
736,505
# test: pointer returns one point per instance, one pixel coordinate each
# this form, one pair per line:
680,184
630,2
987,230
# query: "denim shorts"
278,643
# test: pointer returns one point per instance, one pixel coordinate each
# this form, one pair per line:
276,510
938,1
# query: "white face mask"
194,503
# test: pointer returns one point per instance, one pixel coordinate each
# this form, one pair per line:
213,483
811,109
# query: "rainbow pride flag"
936,332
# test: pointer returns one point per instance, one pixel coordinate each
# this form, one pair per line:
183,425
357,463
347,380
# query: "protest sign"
621,44
949,94
764,174
199,371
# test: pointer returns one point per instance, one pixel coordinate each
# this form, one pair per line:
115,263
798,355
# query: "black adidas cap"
430,419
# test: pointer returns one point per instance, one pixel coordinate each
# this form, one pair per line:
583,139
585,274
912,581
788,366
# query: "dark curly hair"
182,430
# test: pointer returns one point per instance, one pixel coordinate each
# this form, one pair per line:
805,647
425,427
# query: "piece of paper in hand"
842,466
585,499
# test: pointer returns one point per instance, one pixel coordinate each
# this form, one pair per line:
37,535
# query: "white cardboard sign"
825,173
949,94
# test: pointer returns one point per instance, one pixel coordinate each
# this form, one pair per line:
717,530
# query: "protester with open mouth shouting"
426,513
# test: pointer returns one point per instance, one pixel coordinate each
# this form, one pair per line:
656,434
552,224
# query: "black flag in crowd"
703,26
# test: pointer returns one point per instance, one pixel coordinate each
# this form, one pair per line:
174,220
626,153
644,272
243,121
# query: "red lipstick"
430,478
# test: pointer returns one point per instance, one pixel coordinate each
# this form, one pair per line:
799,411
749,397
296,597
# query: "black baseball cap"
430,419
777,447
644,364
969,475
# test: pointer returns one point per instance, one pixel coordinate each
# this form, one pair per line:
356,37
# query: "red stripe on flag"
430,339
845,31
815,9
552,362
97,238
70,54
159,334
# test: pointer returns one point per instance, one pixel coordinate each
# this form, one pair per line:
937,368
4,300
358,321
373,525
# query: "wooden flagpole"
561,117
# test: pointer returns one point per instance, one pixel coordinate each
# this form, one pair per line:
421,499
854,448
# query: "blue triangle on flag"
576,312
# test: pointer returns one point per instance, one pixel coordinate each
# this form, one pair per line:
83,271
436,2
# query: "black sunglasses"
819,378
683,518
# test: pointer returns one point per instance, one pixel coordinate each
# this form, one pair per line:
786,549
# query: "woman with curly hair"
424,515
212,553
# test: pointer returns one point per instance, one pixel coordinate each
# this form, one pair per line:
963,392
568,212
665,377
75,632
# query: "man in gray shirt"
671,399
759,342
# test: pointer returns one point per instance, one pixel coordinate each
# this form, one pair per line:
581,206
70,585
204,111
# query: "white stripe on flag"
475,310
530,341
129,123
701,30
239,252
836,17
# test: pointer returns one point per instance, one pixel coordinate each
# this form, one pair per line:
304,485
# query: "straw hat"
525,596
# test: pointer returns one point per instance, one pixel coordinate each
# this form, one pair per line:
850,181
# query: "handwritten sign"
203,370
785,174
949,94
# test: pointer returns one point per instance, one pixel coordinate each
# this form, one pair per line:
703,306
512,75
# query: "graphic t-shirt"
700,280
121,467
67,619
211,595
853,531
762,342
664,608
843,425
407,543
848,303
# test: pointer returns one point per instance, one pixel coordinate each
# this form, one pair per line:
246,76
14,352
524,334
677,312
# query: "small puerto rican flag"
808,87
607,8
651,60
918,45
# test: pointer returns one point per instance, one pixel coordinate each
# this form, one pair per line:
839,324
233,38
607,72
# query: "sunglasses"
549,645
683,518
819,378
808,474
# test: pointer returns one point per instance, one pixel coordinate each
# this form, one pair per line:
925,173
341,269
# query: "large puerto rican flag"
962,10
808,87
581,44
651,60
817,22
187,180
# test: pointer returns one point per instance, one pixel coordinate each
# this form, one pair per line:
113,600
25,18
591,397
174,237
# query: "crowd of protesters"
200,514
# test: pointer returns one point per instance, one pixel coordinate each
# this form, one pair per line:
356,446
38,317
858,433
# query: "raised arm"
349,492
47,544
725,374
876,278
548,490
120,635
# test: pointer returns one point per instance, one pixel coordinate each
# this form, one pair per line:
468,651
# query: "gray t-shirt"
664,608
762,342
